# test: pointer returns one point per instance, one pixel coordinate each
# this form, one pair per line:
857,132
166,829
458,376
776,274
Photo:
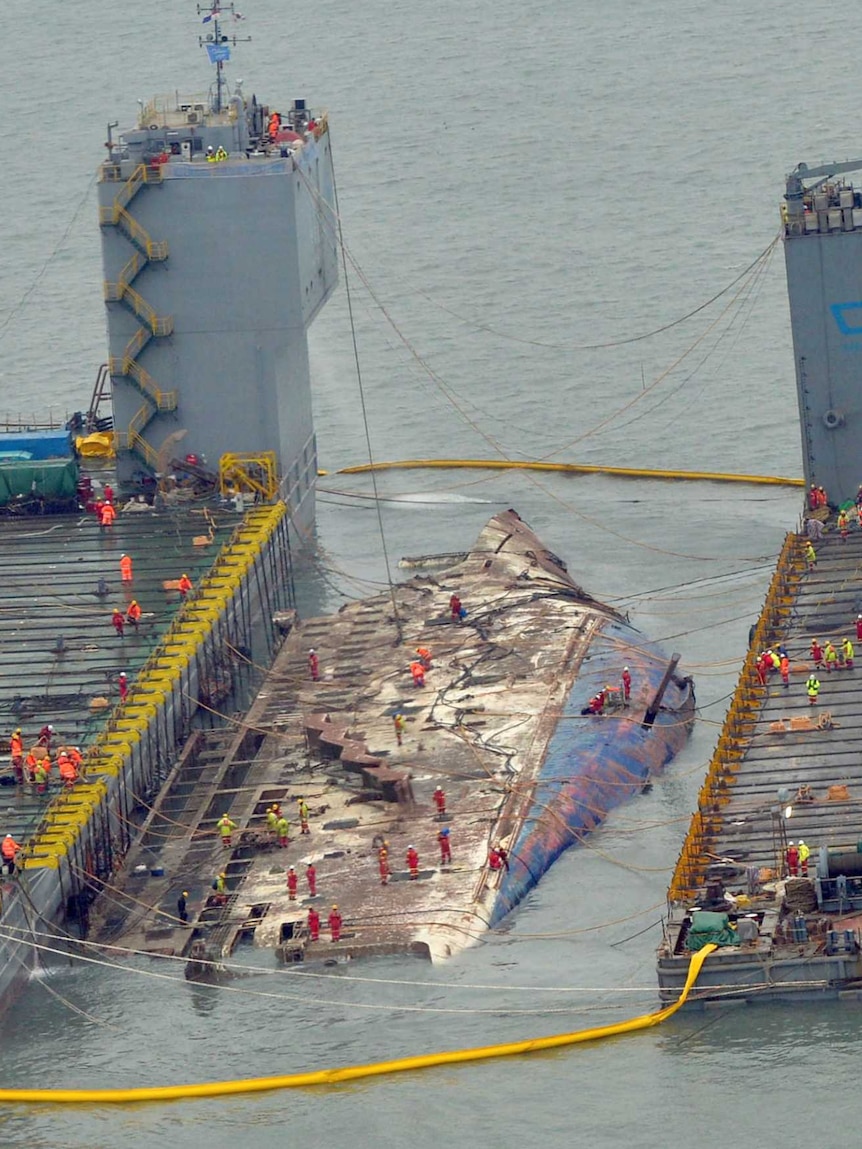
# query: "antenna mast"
217,43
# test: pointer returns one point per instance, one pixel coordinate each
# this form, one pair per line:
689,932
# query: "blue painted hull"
594,763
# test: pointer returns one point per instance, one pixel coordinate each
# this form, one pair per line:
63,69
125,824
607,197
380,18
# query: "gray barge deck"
753,803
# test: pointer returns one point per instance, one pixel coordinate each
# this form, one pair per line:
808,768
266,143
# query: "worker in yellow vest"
804,855
226,828
813,688
282,829
847,651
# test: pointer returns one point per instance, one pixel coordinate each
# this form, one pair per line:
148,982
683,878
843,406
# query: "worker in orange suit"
418,672
785,669
335,923
68,771
125,568
133,614
16,749
31,762
9,849
107,514
292,881
383,865
424,656
413,863
184,585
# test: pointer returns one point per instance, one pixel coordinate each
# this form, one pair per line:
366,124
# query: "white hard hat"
790,843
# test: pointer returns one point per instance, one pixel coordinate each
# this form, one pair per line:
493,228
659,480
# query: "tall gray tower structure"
822,217
219,248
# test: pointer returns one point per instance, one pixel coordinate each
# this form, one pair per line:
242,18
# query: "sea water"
525,191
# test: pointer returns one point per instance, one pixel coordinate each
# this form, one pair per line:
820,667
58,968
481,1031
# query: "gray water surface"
515,181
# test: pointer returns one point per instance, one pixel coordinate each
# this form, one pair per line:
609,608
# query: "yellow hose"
354,1072
571,468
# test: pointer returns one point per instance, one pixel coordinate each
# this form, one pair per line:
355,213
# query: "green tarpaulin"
52,480
708,927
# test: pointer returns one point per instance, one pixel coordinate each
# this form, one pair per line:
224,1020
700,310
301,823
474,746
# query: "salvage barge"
498,725
785,771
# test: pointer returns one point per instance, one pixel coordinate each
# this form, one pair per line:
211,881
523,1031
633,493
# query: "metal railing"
739,723
256,472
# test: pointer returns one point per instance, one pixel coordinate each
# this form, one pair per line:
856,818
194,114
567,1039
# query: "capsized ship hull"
493,730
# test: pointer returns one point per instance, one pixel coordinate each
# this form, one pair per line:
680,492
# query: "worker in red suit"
817,652
313,924
124,686
313,665
455,608
445,846
291,884
792,857
311,878
440,801
413,863
859,627
626,681
495,862
335,922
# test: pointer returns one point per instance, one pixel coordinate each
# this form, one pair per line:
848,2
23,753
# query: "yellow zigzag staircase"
127,366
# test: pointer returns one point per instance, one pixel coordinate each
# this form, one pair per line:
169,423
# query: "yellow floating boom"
354,1072
568,468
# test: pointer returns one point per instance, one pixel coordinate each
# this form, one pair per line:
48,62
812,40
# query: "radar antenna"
217,43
